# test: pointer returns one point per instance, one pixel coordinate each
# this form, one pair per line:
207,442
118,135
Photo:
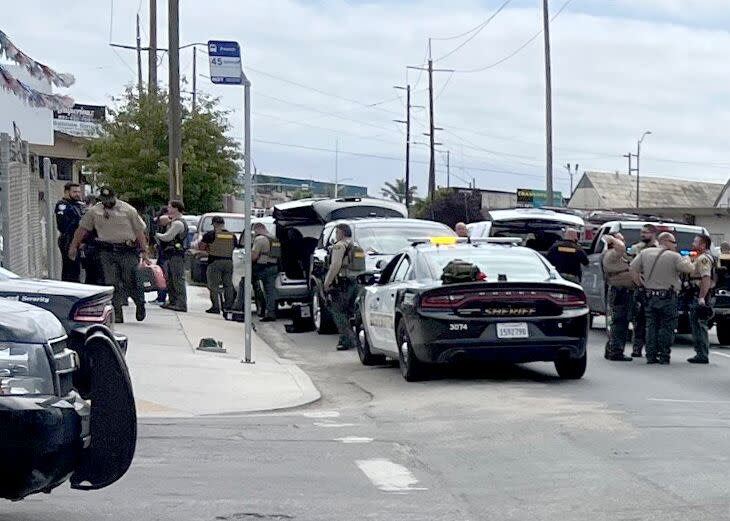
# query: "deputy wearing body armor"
700,308
657,271
69,212
120,238
346,260
620,296
648,240
568,257
265,256
219,243
172,242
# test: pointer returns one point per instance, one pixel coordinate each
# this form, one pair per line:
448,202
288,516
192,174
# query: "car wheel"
572,368
363,345
412,369
723,331
320,315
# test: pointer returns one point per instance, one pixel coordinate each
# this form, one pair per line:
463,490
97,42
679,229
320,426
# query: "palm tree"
397,191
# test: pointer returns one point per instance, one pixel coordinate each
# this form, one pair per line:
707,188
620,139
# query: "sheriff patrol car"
522,310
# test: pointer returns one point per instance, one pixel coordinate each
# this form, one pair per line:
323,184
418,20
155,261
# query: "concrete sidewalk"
172,379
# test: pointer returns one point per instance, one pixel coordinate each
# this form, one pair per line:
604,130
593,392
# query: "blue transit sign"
225,62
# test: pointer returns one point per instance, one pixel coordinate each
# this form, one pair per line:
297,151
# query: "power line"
519,49
478,29
444,86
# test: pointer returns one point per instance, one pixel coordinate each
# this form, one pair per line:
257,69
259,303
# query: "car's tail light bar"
458,298
96,312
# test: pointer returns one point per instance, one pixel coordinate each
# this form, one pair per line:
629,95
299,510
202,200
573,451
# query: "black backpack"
457,271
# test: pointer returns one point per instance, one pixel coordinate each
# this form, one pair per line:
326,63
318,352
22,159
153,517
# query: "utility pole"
432,127
638,157
407,123
195,77
548,105
139,59
175,111
570,173
448,168
152,54
337,160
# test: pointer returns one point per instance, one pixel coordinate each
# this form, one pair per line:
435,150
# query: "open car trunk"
537,234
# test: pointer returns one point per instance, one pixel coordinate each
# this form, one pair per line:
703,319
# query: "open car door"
113,417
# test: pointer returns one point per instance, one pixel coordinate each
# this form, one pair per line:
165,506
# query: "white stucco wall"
36,124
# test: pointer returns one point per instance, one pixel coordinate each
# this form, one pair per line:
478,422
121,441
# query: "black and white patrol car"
522,312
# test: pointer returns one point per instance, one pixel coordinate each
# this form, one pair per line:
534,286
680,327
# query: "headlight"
24,370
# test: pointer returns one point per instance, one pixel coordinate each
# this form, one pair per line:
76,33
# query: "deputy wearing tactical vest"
219,243
173,245
620,296
648,240
700,308
346,260
568,257
265,258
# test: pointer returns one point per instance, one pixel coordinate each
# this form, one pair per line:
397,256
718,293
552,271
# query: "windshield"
391,239
516,264
6,274
684,239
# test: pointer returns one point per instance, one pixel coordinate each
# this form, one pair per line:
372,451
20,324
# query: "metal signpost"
226,69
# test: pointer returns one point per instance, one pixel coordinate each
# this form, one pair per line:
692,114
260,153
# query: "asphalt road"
627,442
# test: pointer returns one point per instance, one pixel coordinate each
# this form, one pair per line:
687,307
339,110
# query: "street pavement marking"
354,439
333,424
388,476
671,400
721,354
321,414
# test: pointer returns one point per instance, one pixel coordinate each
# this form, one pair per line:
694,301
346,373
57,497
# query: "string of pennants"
38,70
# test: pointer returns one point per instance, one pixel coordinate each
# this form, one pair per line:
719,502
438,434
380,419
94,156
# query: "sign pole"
247,226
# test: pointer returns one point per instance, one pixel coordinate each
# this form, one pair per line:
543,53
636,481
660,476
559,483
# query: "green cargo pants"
120,270
699,327
661,321
220,273
343,295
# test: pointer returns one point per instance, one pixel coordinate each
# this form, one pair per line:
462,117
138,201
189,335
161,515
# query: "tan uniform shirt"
262,246
616,269
337,257
668,268
116,225
702,268
641,246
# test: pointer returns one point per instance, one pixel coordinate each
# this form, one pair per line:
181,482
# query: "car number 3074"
458,327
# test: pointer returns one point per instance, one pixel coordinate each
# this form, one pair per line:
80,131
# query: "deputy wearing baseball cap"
121,239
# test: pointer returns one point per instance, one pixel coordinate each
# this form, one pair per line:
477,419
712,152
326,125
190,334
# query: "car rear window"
684,239
392,239
516,264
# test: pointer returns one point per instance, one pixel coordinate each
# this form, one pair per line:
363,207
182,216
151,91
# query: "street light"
638,158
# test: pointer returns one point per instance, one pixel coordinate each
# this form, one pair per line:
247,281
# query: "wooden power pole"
175,112
152,54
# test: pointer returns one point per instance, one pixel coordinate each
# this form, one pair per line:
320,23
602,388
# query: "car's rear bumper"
289,290
550,339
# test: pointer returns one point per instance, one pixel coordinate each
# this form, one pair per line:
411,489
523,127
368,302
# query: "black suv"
381,238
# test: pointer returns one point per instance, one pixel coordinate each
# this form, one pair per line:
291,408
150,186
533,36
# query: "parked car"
523,312
77,306
381,238
51,432
594,281
240,251
198,259
299,225
538,228
192,222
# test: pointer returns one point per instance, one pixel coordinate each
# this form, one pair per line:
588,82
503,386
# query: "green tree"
131,155
397,191
300,194
450,206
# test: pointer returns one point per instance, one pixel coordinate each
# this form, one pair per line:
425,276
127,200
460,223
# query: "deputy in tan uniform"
265,260
341,287
620,296
702,284
121,240
219,243
657,272
648,240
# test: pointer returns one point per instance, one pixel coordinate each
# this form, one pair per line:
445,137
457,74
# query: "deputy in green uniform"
648,240
219,243
620,296
121,239
702,284
341,284
172,241
265,260
657,272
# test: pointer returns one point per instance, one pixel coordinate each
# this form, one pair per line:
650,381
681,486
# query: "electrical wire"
516,51
478,29
451,75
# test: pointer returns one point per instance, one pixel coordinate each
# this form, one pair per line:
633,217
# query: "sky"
323,72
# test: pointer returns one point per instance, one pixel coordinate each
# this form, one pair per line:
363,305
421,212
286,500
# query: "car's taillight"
466,298
94,312
569,300
446,301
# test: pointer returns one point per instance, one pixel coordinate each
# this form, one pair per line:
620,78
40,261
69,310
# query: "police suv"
512,306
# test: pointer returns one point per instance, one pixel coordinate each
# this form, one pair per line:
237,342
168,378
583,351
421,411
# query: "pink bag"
151,276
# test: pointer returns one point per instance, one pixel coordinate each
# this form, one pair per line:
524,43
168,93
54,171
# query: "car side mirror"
367,279
381,264
554,275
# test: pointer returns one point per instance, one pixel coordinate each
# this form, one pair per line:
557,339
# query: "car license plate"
512,330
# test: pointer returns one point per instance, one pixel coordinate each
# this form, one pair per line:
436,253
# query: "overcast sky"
620,67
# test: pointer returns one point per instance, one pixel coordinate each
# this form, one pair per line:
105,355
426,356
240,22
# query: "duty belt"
117,247
661,293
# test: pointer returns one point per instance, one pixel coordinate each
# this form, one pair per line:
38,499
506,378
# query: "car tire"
723,331
572,368
412,369
321,317
363,345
